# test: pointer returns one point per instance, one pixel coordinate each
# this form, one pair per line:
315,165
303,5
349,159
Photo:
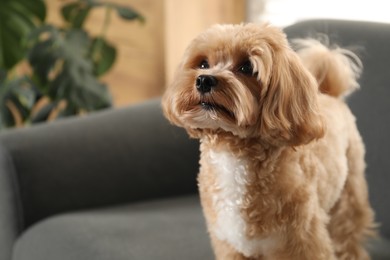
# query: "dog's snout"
204,83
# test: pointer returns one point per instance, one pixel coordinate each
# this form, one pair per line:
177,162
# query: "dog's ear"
289,103
173,99
168,103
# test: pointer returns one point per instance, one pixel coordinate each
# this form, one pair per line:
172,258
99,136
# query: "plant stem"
15,113
107,20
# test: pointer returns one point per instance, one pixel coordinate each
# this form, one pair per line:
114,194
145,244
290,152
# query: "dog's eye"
246,68
204,64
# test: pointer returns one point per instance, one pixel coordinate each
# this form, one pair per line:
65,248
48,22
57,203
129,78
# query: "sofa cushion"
166,229
95,161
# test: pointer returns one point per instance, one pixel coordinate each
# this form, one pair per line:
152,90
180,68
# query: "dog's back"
336,71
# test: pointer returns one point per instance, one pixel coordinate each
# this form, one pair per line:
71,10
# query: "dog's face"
244,79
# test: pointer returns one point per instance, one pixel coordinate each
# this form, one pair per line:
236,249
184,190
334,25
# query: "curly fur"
282,162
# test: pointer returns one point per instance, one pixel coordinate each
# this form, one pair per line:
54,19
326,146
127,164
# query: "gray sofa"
121,184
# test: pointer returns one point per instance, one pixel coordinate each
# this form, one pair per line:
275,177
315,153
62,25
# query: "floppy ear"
167,104
169,108
175,97
290,111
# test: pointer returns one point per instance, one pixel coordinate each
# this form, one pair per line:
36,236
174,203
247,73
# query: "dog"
282,162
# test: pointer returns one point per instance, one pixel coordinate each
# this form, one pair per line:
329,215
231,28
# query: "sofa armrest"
10,207
110,157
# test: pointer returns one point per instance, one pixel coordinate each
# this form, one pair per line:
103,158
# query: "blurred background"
149,38
149,53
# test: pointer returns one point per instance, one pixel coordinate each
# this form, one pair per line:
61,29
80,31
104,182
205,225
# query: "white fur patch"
232,179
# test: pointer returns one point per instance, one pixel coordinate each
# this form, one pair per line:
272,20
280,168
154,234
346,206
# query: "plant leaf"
80,88
44,28
75,80
128,13
75,13
88,93
76,44
24,91
103,55
69,110
4,88
24,112
17,19
36,7
23,94
6,117
3,76
42,58
43,113
56,48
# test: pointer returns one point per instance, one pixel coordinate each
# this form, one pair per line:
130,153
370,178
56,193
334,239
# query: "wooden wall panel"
139,71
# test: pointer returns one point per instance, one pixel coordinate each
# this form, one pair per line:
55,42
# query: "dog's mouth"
211,106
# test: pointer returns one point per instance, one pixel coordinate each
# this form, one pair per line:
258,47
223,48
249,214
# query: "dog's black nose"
204,83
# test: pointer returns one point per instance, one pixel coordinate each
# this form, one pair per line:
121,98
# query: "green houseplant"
66,62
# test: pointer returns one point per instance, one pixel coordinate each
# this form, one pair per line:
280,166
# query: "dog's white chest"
232,176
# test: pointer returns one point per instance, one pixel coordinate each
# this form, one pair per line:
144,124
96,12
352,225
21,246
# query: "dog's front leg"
306,241
223,251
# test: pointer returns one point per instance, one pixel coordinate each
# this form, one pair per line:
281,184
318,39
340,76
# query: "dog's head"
246,80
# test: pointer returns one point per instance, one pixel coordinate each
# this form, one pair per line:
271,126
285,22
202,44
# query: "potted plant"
66,62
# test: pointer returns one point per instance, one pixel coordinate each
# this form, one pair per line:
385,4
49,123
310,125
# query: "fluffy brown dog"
282,167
